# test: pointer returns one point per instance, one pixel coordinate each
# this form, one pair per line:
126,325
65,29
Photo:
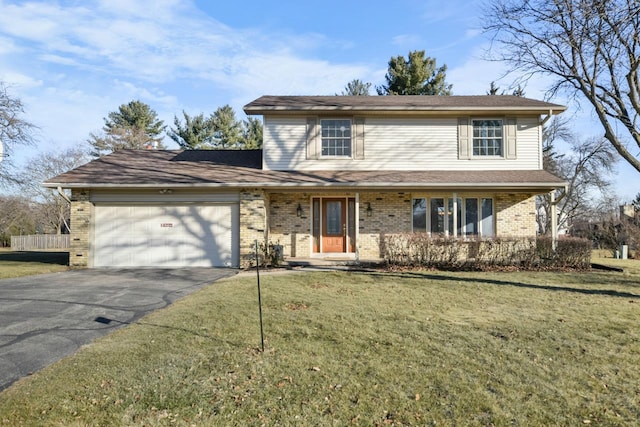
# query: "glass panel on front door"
334,218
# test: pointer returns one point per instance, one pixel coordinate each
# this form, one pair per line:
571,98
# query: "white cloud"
406,40
19,81
160,42
154,95
7,46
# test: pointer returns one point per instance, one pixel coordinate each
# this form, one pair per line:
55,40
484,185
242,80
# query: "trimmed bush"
422,250
572,252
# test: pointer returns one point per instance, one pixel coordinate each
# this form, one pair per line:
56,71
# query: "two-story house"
336,173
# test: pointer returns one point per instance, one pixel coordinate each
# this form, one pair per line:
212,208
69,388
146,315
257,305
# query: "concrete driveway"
46,317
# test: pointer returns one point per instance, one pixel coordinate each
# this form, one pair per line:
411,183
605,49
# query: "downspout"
546,119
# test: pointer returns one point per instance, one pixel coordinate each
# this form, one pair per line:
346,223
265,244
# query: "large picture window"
473,216
487,137
336,138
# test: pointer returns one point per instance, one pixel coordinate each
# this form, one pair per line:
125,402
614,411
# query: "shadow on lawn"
604,292
108,321
60,258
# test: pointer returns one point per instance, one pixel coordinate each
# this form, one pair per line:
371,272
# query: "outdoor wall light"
299,210
369,210
166,191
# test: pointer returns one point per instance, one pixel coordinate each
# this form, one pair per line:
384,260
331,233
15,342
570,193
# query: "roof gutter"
335,185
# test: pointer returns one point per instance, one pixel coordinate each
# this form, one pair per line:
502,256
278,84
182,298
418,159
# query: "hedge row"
419,249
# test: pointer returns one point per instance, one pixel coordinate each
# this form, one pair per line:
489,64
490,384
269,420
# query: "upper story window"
336,137
487,137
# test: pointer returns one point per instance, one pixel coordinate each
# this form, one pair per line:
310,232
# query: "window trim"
351,138
472,138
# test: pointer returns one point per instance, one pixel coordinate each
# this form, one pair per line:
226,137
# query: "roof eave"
403,110
324,185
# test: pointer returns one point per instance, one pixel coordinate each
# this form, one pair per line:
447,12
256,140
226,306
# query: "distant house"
336,173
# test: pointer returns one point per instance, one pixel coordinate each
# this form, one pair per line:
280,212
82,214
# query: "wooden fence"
40,242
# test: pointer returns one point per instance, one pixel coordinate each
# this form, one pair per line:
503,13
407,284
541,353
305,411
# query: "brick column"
80,229
253,223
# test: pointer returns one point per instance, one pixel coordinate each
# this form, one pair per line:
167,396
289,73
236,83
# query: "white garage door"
202,235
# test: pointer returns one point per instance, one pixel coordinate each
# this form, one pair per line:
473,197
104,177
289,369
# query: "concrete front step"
331,261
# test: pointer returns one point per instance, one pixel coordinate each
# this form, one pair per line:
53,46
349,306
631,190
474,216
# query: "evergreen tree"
252,134
221,130
227,129
136,114
356,87
196,133
134,126
493,89
416,75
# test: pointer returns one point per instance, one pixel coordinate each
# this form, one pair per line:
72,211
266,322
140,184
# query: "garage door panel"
166,236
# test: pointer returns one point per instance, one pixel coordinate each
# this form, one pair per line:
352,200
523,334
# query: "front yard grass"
17,264
414,348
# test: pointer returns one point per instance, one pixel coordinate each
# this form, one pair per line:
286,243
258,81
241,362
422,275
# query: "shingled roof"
401,103
238,169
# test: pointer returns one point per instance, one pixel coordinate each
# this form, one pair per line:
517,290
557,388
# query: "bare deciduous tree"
590,48
14,130
52,208
16,217
586,167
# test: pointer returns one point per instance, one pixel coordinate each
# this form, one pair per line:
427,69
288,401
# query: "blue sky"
72,62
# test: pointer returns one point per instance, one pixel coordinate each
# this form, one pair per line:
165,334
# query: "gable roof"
401,103
242,169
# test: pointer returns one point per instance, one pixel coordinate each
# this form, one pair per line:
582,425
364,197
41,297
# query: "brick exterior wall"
286,228
515,215
81,213
390,213
253,223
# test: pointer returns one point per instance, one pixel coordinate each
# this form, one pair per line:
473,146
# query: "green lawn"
415,348
17,264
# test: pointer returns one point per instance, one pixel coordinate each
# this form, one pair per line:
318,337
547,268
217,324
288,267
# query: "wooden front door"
334,225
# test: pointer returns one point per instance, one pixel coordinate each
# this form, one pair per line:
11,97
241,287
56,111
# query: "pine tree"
196,133
134,126
356,87
416,75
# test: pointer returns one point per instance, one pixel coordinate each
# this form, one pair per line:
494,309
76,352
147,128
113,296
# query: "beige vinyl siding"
529,142
284,142
396,144
399,144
